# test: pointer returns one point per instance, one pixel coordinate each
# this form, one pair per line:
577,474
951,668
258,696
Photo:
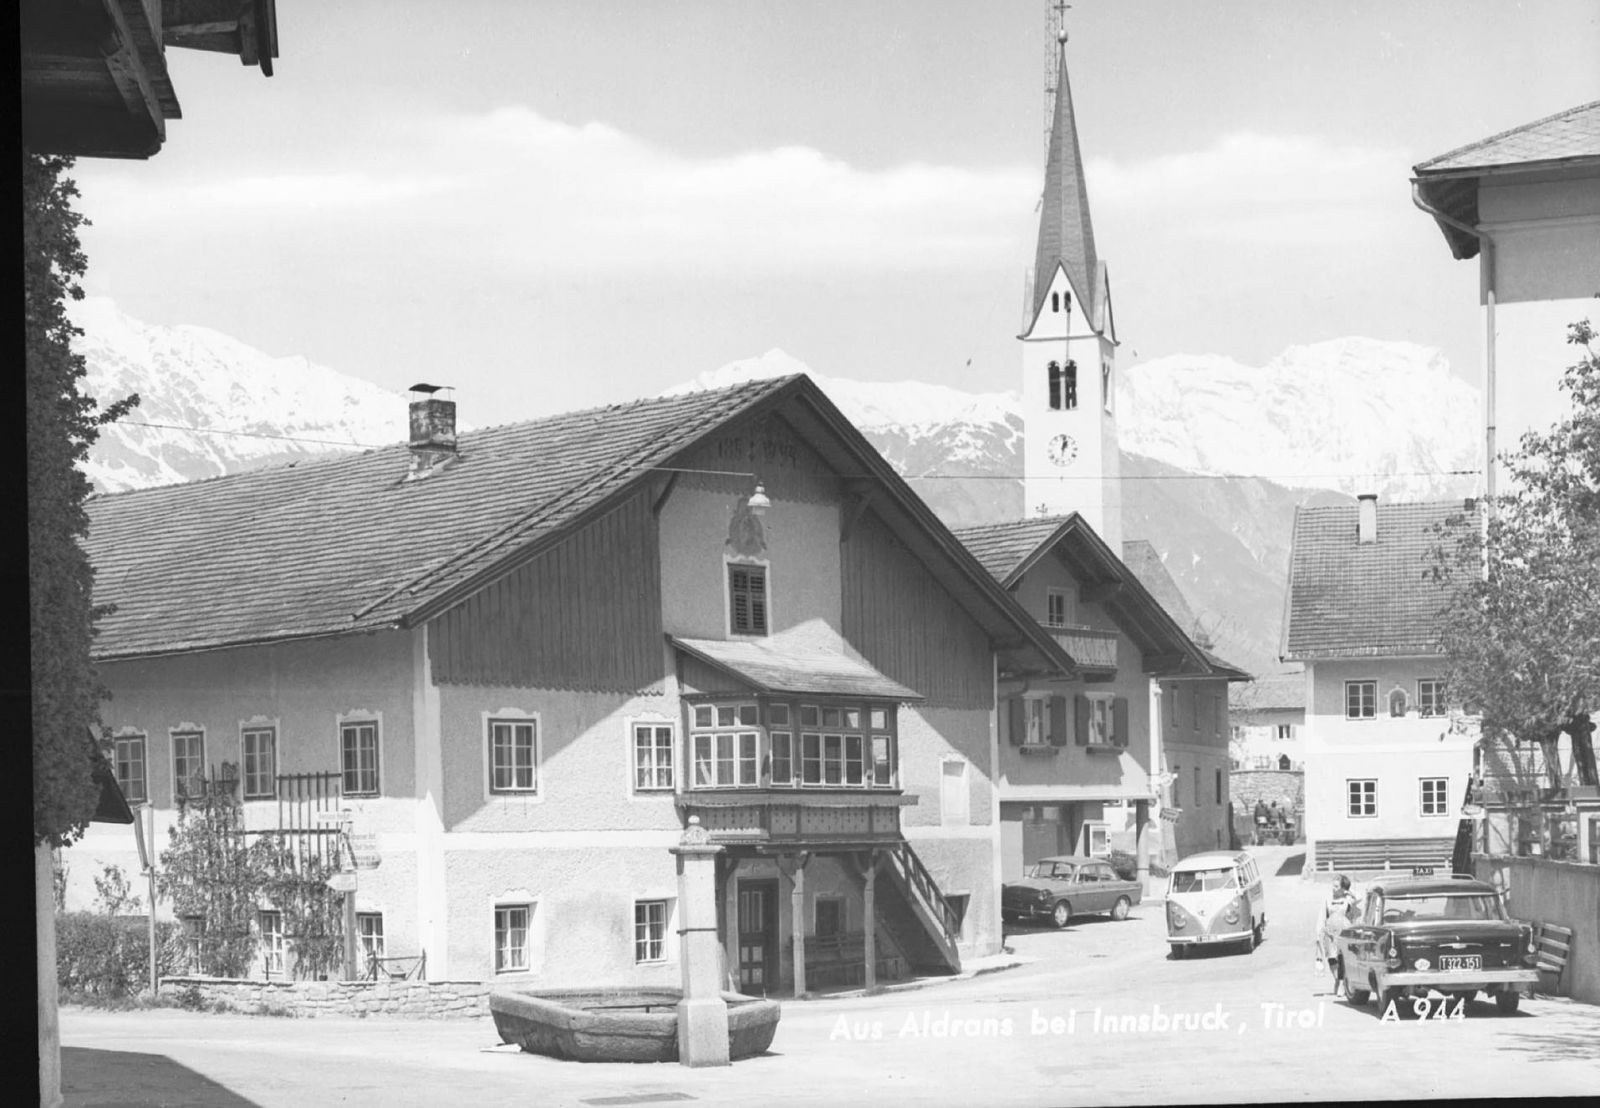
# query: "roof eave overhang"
901,695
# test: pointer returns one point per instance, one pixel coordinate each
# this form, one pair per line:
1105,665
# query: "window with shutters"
1063,386
1038,723
1102,720
747,599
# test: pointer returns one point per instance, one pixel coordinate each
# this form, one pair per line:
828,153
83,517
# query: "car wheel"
1120,909
1061,913
1358,997
1507,1002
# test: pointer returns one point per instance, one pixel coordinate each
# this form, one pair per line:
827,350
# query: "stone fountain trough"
619,1025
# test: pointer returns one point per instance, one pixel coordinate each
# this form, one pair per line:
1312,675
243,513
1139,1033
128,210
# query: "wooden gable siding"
695,676
583,615
906,626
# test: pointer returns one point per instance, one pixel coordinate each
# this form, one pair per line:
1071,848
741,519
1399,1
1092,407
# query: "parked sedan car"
1449,934
1068,885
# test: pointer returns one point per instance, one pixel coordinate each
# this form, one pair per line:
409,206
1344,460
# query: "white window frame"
365,937
513,902
1285,732
745,773
274,947
1442,801
180,732
1036,721
1366,715
255,725
655,724
1369,795
513,717
1103,718
1430,697
1066,614
763,564
359,719
130,736
663,943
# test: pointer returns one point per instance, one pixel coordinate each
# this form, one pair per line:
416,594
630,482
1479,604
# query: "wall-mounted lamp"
759,502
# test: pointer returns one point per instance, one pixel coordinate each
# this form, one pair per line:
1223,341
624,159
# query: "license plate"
1461,962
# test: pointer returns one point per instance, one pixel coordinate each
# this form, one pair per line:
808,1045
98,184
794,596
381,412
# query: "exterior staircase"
922,923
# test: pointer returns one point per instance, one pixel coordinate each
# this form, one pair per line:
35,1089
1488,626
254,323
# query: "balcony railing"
1089,647
816,817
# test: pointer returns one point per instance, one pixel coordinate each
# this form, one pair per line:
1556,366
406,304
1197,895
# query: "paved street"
1049,1031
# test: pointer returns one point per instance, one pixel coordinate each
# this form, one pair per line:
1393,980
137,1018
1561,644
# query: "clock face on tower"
1063,449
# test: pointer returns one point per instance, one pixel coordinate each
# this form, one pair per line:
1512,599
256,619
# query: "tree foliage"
62,423
1522,628
215,872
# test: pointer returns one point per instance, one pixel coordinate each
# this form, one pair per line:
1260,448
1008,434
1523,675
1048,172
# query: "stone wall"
1564,893
423,999
1249,785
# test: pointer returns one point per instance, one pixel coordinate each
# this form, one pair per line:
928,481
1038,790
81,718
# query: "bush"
1125,864
109,956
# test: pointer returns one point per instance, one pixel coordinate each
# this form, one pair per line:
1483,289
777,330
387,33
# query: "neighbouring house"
1526,204
521,659
1091,761
1269,718
1386,773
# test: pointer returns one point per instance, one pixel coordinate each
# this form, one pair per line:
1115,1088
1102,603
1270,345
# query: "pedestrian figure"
1337,914
1277,822
1261,820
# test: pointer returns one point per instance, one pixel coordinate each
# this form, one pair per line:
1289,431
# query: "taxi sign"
1421,871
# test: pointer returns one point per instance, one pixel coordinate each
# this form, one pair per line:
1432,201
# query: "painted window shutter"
1017,722
1081,717
1119,721
1058,721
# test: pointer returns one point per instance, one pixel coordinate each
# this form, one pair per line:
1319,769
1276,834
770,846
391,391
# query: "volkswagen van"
1215,897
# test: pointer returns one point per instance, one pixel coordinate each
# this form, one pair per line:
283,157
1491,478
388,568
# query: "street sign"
364,848
343,815
342,882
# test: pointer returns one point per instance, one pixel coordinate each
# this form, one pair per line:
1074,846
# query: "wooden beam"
133,82
666,492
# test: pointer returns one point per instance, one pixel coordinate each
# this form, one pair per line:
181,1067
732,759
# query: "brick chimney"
433,429
1367,518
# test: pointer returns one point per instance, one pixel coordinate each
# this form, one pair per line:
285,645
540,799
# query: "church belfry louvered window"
1063,386
747,599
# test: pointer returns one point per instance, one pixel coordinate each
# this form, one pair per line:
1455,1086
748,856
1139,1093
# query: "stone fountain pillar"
702,1013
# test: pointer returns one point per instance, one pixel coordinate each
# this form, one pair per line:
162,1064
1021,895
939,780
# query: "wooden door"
758,936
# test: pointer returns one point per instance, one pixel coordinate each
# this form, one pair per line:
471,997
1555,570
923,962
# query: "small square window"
1360,699
810,715
704,716
513,755
511,937
1362,798
778,715
128,759
878,719
830,717
749,715
1435,798
1430,697
653,757
650,931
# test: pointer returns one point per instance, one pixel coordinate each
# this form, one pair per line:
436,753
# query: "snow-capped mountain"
1316,418
194,377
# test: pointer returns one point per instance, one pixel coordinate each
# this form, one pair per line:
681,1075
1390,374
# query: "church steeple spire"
1066,235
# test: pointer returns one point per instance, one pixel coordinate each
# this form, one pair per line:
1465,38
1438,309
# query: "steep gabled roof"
349,544
1348,599
1009,550
1066,234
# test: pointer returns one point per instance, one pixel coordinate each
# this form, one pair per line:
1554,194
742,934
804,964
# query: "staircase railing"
917,877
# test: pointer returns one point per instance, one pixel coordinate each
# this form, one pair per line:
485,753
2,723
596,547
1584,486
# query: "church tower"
1070,458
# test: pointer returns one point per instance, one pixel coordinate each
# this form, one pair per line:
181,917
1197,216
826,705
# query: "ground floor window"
830,917
650,931
1361,798
1435,800
272,942
369,928
511,937
188,763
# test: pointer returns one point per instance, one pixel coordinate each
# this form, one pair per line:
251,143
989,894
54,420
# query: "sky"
569,203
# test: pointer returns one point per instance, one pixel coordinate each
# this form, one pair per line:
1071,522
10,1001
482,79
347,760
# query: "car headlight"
1175,918
1422,963
1232,914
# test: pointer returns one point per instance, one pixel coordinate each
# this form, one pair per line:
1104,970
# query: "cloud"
1286,190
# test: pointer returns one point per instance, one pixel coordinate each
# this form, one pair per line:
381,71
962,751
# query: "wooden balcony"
1090,648
824,819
